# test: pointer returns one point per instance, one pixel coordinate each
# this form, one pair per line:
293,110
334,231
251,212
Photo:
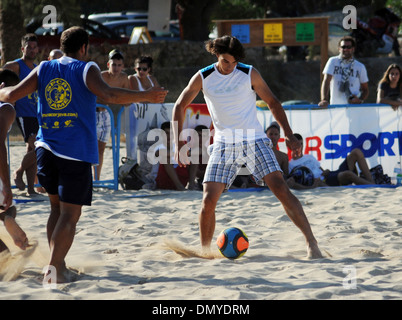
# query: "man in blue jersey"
26,112
230,90
66,146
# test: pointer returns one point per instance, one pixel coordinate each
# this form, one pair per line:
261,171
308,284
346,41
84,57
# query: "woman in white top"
142,80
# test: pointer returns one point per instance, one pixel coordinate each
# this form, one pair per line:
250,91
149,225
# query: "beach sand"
120,247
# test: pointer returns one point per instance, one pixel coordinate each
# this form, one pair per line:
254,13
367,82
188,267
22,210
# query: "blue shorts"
70,179
226,160
332,178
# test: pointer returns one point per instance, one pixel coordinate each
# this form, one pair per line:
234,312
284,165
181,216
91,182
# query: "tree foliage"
11,29
195,16
68,11
396,7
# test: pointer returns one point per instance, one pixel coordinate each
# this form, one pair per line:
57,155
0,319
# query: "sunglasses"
143,69
346,47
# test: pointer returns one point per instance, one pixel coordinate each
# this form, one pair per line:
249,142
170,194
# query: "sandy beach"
120,247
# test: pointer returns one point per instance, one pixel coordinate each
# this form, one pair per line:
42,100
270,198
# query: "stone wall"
176,62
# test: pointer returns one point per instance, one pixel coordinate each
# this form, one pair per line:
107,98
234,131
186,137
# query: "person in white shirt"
345,174
230,89
345,79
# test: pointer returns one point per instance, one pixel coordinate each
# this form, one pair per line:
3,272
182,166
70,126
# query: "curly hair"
226,44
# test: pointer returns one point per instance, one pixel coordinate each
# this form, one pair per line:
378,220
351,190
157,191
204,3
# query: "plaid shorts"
226,160
103,125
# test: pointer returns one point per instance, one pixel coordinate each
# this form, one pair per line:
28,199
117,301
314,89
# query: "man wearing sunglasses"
345,79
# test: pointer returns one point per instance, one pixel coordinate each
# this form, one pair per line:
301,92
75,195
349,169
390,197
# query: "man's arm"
27,86
186,97
364,87
265,93
325,91
364,92
393,103
124,81
115,95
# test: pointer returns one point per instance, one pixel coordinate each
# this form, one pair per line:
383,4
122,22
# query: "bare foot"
18,181
313,252
68,275
17,234
63,274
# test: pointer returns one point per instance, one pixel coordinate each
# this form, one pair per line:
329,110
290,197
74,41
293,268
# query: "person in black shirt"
390,87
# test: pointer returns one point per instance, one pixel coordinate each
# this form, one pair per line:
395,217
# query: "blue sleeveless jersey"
67,110
27,106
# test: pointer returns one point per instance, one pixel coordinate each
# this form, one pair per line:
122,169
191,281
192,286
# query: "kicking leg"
294,210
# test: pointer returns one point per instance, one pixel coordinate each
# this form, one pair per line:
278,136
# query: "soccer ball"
232,243
302,175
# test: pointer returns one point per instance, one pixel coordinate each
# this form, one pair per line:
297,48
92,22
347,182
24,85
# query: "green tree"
68,11
195,17
396,7
238,9
11,29
12,23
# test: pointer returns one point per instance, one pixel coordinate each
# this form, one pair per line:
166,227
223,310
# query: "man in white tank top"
230,90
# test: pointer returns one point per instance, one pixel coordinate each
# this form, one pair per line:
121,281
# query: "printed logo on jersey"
58,94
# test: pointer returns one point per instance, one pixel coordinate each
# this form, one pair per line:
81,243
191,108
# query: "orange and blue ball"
232,243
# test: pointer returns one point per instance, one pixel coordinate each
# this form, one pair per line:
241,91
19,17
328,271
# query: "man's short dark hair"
28,37
298,136
116,54
72,39
10,78
347,38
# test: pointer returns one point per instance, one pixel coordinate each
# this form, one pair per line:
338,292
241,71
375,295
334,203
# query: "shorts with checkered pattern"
226,160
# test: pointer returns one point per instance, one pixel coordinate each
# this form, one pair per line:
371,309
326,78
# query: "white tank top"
140,87
231,102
